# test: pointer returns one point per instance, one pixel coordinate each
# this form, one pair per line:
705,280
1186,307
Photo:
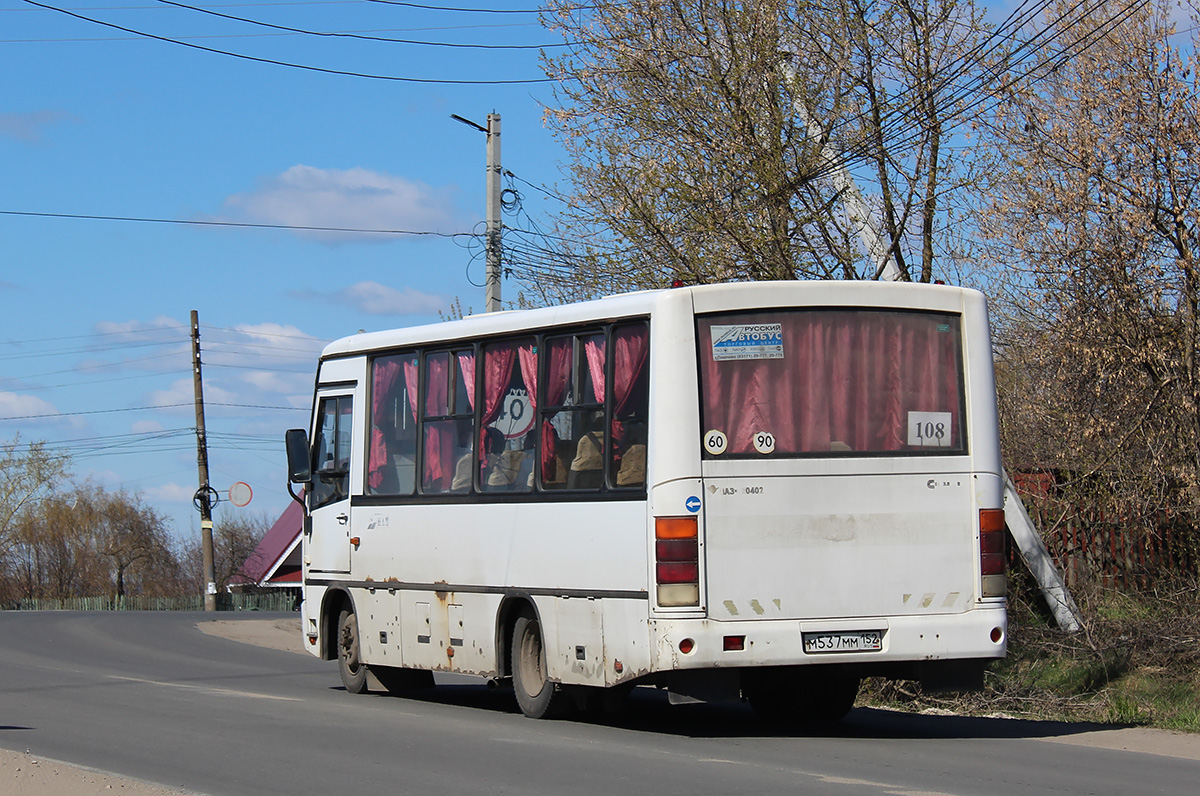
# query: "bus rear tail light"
991,553
677,561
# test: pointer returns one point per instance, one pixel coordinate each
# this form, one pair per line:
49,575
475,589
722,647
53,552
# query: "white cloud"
183,391
376,299
372,298
346,198
15,405
277,383
274,332
142,330
28,127
145,427
170,493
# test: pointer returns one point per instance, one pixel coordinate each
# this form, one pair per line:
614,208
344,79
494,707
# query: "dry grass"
1136,662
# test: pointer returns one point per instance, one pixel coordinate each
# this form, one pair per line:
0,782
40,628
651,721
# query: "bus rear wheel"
537,696
350,665
791,696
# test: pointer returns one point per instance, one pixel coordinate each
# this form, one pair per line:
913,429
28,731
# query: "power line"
78,39
87,349
90,336
99,412
465,10
241,224
260,406
268,334
103,381
361,37
216,5
288,64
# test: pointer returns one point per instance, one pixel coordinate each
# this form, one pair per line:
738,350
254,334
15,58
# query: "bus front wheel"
537,696
350,665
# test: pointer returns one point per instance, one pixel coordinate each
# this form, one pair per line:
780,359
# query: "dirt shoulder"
25,774
280,634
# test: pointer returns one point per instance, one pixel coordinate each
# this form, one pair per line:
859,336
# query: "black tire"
399,681
537,697
796,696
350,665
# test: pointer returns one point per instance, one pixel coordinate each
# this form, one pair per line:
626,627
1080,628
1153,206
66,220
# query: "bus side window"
331,452
391,461
448,426
572,448
508,415
630,402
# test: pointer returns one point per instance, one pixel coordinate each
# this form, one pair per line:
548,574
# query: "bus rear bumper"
898,646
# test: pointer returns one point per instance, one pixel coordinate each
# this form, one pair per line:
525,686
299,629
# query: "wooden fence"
1089,548
225,602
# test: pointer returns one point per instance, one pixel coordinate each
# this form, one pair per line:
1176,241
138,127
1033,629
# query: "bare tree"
1097,229
134,539
236,535
86,542
700,134
55,554
27,474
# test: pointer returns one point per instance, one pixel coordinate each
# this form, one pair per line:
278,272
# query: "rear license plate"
842,641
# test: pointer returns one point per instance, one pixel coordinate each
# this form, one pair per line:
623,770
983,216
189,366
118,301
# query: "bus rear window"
830,382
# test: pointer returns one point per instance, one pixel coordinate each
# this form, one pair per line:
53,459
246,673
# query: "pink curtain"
848,377
593,348
438,447
630,344
528,358
466,367
410,382
386,371
498,362
558,373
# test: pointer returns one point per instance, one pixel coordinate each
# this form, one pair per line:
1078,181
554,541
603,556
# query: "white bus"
760,491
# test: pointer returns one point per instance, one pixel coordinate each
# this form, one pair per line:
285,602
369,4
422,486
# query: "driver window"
331,452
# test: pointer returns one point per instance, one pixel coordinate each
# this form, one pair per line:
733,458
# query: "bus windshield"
830,382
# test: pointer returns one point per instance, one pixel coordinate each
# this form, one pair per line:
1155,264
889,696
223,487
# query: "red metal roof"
271,562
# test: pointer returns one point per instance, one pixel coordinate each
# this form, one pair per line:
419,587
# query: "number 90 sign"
764,442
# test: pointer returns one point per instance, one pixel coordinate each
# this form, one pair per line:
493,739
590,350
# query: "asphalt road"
146,695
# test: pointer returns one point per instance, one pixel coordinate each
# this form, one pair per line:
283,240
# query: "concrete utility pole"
205,495
492,239
885,267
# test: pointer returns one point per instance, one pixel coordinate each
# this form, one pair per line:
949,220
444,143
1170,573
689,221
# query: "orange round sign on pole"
240,494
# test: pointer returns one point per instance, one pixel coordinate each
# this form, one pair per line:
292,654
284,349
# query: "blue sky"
96,121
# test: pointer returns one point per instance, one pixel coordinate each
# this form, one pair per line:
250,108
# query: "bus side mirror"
299,463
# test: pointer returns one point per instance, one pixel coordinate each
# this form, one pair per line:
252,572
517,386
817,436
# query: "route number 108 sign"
930,429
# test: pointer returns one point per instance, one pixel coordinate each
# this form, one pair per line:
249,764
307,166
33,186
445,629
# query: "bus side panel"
574,632
377,611
447,631
565,557
627,644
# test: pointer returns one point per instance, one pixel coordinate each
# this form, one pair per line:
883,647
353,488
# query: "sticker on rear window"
715,442
764,442
930,429
747,341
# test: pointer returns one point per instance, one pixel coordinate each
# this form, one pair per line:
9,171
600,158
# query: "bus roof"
731,295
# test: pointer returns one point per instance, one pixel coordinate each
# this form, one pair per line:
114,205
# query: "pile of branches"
1052,674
